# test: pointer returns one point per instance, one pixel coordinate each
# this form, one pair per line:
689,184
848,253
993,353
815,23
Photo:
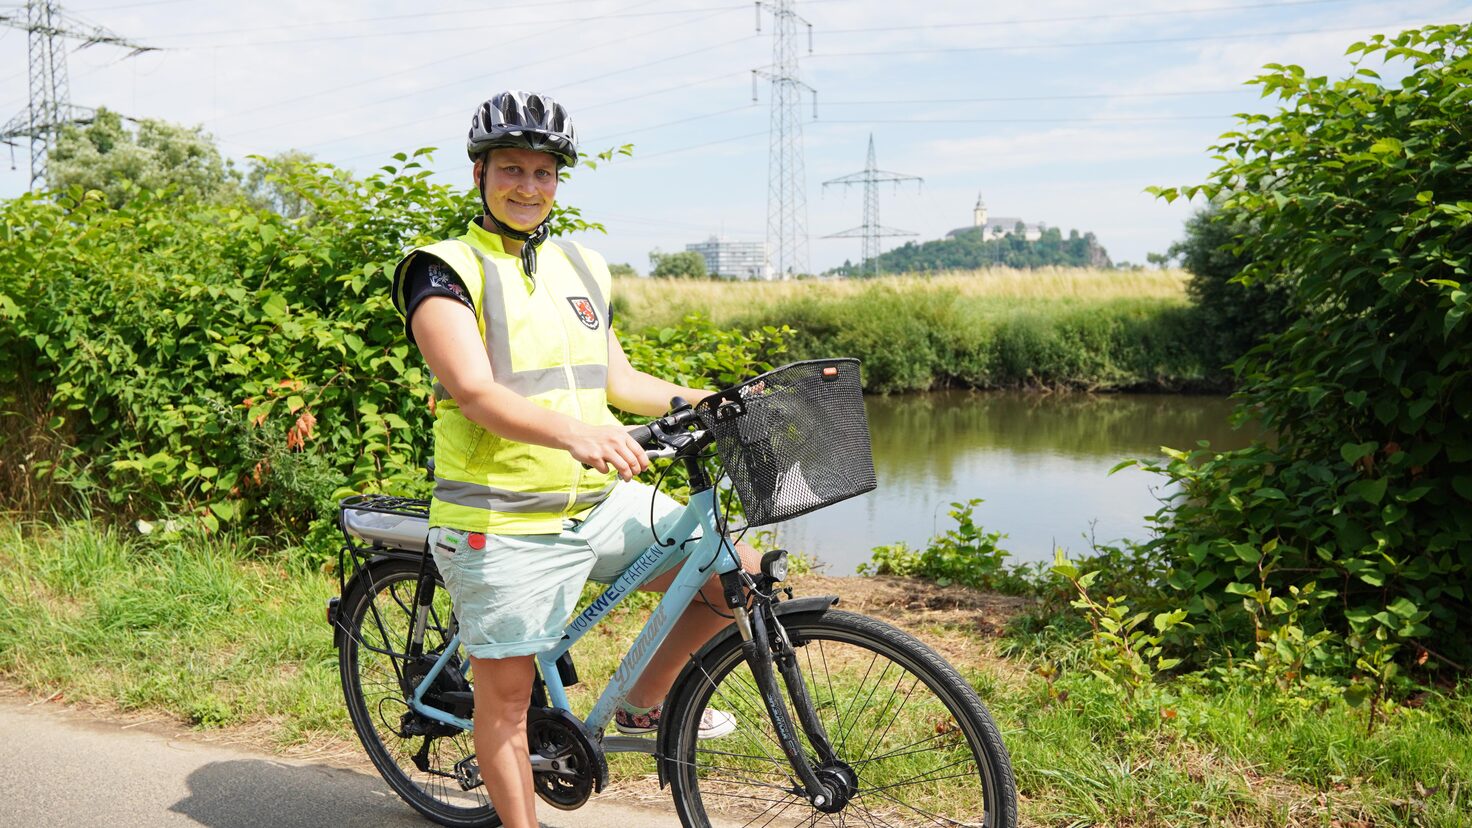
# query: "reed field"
647,302
1100,330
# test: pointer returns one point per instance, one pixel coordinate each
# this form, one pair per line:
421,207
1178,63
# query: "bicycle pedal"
467,773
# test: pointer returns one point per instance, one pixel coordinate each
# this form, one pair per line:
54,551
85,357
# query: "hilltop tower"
978,213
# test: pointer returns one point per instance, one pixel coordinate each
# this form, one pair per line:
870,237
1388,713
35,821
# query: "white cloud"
354,92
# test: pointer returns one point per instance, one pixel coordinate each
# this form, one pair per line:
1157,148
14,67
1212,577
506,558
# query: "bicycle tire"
921,747
376,615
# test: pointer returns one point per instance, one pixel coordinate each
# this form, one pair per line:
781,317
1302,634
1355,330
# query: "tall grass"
203,627
1056,327
661,302
220,631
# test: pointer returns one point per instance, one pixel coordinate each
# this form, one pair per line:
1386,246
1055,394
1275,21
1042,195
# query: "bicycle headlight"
774,565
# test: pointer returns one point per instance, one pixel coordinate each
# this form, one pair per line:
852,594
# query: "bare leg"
503,690
696,626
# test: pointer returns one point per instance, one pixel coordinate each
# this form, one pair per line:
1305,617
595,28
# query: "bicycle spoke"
423,768
908,753
748,780
871,816
773,817
843,734
927,776
906,750
934,818
888,702
718,690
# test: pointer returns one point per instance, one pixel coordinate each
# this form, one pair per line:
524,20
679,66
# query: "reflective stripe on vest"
477,496
498,335
487,483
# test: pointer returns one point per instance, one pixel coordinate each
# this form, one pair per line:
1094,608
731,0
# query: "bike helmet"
523,119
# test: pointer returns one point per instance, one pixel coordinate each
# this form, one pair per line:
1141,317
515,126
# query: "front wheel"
431,765
914,744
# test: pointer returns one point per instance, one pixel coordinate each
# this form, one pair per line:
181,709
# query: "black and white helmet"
523,119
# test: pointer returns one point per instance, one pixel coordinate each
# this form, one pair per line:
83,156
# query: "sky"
1054,111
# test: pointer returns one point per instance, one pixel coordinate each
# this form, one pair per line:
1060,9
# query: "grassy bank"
221,633
1003,328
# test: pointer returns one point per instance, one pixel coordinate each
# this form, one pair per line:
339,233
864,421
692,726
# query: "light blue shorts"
515,594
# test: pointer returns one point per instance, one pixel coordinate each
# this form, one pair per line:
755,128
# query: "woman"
534,489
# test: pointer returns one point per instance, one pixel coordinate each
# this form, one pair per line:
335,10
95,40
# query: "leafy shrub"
1234,316
225,361
1127,653
1362,191
967,555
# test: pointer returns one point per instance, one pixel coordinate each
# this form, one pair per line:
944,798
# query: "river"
1040,461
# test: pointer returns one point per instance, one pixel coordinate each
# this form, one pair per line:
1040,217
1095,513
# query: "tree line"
971,249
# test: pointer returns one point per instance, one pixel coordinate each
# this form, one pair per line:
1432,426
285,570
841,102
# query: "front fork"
765,643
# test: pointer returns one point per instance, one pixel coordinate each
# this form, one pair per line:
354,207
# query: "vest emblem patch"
583,307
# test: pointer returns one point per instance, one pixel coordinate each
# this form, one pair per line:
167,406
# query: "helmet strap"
529,241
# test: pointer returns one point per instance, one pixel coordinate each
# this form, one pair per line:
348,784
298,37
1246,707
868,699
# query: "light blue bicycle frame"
712,553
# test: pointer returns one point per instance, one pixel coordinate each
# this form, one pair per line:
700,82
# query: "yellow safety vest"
547,339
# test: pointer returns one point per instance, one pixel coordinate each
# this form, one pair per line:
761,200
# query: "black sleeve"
427,276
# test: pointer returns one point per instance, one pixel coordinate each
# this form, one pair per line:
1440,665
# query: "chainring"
568,765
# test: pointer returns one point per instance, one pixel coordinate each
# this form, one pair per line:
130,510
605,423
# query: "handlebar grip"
643,436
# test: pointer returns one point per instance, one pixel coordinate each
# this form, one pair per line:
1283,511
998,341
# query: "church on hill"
995,227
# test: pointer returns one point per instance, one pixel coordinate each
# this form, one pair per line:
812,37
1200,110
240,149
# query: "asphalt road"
60,767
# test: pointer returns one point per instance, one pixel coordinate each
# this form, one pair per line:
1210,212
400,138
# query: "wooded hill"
970,250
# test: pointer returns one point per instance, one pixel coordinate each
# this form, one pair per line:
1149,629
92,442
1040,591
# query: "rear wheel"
914,744
430,764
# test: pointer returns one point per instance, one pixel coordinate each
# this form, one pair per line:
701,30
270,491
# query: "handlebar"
668,435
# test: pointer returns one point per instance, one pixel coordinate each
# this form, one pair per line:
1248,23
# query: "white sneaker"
716,723
713,723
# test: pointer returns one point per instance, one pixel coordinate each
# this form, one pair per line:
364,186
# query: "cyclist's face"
520,186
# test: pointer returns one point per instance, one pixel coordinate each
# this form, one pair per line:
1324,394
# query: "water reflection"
1039,460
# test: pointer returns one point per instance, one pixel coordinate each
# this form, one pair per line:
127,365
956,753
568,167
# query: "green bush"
686,264
1234,316
967,555
1361,192
224,361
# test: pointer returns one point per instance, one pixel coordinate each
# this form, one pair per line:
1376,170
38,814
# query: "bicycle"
840,717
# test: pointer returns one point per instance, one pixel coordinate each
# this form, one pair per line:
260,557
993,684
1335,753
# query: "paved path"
65,768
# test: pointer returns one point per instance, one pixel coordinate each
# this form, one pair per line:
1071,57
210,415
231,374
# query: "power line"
90,9
410,32
392,75
1106,119
621,135
1016,98
1085,44
622,219
1085,17
440,168
597,77
662,91
691,147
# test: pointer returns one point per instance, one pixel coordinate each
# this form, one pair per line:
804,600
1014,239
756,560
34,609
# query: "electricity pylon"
871,230
50,106
787,196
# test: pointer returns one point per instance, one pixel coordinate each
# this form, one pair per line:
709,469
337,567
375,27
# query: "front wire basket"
794,439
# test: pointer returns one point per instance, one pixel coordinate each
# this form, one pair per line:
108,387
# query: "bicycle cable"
653,496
